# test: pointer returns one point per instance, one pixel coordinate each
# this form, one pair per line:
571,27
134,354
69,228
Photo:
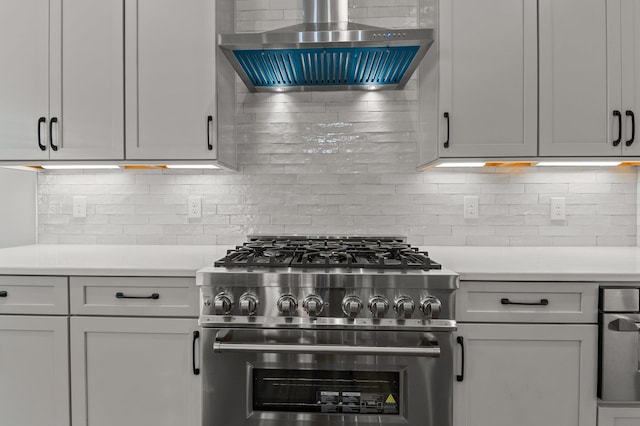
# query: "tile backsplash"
326,198
338,163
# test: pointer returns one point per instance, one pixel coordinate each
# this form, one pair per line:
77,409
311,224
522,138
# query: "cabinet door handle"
446,143
3,294
53,120
196,336
617,113
633,127
154,296
40,121
209,121
542,302
460,377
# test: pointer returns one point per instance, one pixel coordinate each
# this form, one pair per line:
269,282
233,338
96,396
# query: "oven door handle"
222,343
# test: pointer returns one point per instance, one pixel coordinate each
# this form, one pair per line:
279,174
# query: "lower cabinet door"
34,371
525,375
619,416
134,371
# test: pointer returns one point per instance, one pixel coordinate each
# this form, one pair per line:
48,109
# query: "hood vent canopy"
326,53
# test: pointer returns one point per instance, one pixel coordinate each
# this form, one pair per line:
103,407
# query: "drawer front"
134,296
33,295
532,302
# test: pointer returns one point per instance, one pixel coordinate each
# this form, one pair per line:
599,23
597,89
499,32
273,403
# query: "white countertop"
108,260
594,264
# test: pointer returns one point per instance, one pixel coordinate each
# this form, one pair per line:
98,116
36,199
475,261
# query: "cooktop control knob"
287,305
351,306
430,307
404,306
222,304
313,305
378,306
248,304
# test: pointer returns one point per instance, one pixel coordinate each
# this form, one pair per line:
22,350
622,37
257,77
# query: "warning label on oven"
357,402
329,401
350,402
369,403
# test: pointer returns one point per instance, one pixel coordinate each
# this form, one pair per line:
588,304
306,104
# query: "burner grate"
353,252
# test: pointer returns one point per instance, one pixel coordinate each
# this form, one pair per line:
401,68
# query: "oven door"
276,377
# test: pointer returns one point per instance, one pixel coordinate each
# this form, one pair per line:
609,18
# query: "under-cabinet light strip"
578,163
78,166
537,164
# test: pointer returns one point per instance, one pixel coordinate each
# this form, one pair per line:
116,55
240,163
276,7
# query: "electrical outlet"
194,207
471,207
558,208
79,206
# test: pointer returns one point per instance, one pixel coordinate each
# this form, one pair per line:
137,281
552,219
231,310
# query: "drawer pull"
154,296
3,294
542,302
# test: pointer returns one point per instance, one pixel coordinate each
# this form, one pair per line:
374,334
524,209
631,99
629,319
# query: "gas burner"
326,247
325,257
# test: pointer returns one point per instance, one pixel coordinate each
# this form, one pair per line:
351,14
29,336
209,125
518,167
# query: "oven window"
320,391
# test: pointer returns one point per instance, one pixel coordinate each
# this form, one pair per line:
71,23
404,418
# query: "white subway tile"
157,239
143,229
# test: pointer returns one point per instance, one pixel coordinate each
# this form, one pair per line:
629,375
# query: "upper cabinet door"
630,15
579,77
87,80
171,85
488,78
24,79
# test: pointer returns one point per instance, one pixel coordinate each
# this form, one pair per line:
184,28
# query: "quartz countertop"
595,264
108,260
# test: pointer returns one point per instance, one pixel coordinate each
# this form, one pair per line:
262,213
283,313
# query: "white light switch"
79,206
194,207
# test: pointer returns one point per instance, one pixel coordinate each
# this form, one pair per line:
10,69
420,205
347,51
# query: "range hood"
326,52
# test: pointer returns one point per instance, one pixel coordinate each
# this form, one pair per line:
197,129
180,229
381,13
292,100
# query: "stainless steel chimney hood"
326,52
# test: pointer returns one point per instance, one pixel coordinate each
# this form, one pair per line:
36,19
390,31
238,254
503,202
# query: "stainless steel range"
327,331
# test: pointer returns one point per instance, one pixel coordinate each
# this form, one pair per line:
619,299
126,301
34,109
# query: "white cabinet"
488,78
134,296
618,416
630,35
61,82
589,77
34,351
87,81
134,371
527,302
171,79
514,366
24,78
579,78
34,371
526,375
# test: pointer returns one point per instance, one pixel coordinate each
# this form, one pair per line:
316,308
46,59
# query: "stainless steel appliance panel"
620,299
414,367
619,357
